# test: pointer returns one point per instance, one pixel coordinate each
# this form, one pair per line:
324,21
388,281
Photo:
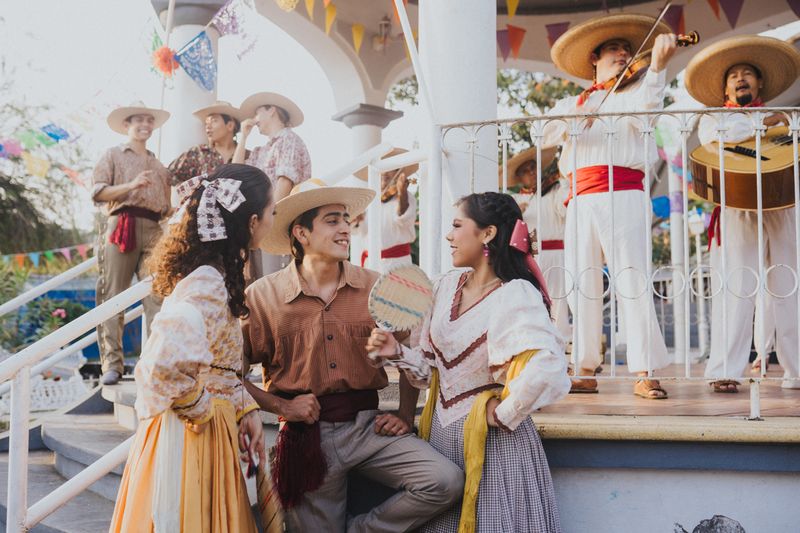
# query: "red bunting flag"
20,259
503,43
515,37
82,249
66,253
732,9
554,31
714,7
674,18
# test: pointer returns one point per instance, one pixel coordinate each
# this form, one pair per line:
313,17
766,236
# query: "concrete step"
86,513
80,440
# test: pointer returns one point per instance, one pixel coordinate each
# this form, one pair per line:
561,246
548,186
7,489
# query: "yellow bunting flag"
358,36
330,16
512,8
310,9
35,166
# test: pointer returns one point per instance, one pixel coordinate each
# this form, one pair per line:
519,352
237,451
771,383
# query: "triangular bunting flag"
732,9
515,37
82,248
795,5
35,166
512,6
310,9
358,36
674,18
714,7
20,259
66,253
55,133
197,59
554,31
49,256
503,43
34,256
330,16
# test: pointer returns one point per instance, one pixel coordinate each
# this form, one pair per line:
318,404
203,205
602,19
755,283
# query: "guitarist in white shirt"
739,72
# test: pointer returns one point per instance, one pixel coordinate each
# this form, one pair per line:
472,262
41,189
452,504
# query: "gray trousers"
116,274
427,482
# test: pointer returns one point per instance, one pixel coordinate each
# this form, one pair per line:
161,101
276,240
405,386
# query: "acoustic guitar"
777,172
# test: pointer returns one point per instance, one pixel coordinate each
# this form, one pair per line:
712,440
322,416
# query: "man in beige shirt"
133,188
308,326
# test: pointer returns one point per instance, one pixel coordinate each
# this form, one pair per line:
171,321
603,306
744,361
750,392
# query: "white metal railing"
685,276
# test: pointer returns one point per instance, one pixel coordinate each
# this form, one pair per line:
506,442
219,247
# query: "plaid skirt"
516,491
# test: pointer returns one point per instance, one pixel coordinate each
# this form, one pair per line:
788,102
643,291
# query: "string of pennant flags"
19,146
49,256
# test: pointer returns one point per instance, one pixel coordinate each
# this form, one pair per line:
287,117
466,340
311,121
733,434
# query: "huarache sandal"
650,389
756,368
583,385
725,386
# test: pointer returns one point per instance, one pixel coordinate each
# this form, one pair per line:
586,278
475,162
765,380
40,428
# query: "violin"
638,65
391,190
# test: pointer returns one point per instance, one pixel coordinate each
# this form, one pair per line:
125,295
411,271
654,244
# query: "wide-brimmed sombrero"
778,61
363,174
253,102
116,119
548,154
219,108
571,53
306,196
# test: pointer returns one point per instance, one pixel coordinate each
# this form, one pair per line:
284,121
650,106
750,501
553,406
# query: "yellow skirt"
214,496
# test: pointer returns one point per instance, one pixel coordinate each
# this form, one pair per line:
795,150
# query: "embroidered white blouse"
472,351
193,353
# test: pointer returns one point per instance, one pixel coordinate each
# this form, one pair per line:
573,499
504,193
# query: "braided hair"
501,211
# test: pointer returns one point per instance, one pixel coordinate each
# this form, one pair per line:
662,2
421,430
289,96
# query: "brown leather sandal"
650,389
756,367
582,385
725,386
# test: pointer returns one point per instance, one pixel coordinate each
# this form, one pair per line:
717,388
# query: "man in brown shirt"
308,327
133,188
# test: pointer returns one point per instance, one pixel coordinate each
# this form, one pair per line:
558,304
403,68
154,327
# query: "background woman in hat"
491,356
522,183
598,50
284,159
183,471
398,216
747,71
221,122
132,186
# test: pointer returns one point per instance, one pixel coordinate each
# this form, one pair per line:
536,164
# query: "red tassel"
299,465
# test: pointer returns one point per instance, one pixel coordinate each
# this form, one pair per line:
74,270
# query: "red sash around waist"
124,235
552,245
594,179
393,252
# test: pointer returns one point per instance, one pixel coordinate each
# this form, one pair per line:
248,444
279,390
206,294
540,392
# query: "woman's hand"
382,345
491,405
252,446
247,126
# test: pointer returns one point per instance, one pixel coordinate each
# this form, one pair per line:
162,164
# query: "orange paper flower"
164,61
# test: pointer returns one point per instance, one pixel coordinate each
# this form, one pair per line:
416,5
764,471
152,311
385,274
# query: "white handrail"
50,284
400,161
41,348
71,488
82,343
376,152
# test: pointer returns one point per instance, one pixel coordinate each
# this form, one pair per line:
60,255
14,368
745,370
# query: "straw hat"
253,102
363,174
548,154
572,52
306,196
218,108
778,61
116,119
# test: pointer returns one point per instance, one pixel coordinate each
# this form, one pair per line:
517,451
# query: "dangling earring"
485,250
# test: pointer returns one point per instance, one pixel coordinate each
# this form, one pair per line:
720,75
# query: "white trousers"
764,327
552,264
730,349
591,218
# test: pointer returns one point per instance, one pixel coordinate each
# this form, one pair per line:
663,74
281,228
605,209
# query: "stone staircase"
64,443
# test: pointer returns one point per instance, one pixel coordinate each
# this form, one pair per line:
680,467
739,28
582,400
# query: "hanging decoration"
330,16
231,19
554,31
54,132
714,7
515,37
49,256
287,5
358,36
661,206
503,43
35,166
511,6
674,18
310,9
197,59
732,9
164,61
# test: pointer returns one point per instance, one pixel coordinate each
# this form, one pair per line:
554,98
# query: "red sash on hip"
124,235
393,252
594,179
552,245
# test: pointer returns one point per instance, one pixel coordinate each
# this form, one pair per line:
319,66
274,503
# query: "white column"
183,95
677,258
365,136
457,41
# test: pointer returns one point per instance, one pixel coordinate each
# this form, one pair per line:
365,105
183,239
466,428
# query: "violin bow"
633,56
